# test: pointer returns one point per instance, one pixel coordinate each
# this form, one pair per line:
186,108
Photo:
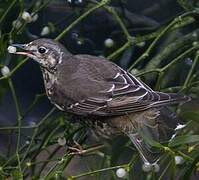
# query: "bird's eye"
41,50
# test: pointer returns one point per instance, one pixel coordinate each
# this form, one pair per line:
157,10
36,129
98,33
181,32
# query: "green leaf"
2,159
150,141
187,173
191,115
17,175
172,168
186,139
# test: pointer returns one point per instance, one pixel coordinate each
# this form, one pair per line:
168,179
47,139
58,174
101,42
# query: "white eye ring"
42,50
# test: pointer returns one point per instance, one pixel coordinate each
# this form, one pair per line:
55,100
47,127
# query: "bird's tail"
158,125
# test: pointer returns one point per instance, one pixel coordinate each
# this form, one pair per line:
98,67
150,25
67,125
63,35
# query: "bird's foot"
77,149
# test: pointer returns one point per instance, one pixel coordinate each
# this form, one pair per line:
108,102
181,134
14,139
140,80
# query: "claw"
77,149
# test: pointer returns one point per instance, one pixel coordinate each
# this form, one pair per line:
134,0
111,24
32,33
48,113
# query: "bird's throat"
49,78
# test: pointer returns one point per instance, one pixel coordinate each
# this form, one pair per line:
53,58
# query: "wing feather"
119,93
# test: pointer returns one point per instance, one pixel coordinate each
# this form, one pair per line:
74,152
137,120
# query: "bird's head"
47,52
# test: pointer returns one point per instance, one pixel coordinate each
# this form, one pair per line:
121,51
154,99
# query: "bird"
109,99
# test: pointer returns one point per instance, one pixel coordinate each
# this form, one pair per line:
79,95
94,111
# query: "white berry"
146,167
179,160
45,31
5,71
28,164
195,43
12,49
27,142
26,16
79,42
109,43
121,172
61,141
134,71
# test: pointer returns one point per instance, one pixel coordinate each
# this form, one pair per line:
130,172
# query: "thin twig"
191,70
7,10
18,121
102,3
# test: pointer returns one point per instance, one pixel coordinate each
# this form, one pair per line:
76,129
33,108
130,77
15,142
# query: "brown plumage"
113,100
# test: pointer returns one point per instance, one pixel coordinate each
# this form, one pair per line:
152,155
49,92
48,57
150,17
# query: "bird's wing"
123,94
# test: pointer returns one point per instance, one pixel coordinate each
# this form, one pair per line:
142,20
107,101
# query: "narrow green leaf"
190,169
2,159
16,175
150,141
191,115
186,139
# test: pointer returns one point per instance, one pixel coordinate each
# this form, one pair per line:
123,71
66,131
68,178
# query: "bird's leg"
78,150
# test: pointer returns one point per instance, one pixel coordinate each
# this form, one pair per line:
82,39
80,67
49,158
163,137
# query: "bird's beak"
26,52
